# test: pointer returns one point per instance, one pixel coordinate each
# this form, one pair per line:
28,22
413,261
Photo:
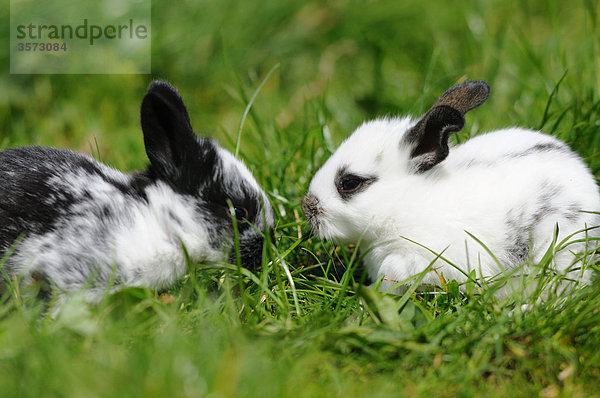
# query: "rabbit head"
200,169
351,196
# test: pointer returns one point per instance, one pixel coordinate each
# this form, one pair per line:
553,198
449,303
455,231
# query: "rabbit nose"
311,208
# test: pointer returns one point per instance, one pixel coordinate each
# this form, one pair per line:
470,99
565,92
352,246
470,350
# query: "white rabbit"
396,185
77,222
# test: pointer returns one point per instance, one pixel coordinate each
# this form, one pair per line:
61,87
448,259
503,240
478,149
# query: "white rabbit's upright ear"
428,138
168,133
465,96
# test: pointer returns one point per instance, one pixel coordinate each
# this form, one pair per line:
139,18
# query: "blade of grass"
249,106
545,116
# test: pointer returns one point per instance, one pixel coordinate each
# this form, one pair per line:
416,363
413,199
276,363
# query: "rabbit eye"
241,213
350,184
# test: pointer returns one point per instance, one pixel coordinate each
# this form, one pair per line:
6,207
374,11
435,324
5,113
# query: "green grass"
219,333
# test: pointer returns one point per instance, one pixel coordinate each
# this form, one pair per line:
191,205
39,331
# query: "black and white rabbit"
78,222
395,184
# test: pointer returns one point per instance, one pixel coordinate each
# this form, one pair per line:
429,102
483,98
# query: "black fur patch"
28,203
522,224
548,193
517,241
540,148
519,251
251,248
429,137
546,147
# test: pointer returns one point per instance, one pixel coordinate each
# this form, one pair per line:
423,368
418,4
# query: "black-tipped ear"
168,133
429,137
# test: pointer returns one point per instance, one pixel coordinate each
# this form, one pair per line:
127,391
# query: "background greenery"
222,333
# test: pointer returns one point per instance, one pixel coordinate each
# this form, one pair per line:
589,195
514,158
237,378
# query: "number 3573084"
45,47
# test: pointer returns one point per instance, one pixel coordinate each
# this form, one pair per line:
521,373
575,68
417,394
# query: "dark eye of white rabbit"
348,184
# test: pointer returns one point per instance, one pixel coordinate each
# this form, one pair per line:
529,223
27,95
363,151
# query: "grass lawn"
222,332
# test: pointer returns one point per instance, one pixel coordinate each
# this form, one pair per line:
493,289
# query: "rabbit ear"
465,96
429,136
168,134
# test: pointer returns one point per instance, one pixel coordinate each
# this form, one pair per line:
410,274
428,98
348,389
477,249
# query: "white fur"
483,187
150,250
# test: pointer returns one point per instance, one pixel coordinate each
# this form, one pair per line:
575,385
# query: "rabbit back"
509,189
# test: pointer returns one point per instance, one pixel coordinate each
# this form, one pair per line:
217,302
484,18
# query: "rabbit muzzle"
312,209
